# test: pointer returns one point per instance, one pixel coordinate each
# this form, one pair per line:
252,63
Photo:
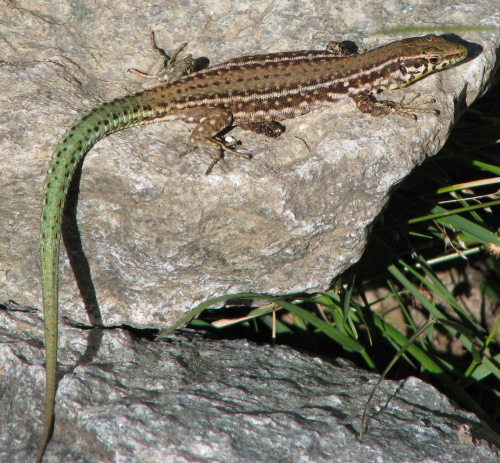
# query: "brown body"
280,86
254,92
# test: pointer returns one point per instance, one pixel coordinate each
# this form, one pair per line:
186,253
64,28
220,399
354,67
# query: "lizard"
254,92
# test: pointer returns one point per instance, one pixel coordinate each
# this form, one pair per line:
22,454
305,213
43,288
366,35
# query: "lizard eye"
403,69
434,60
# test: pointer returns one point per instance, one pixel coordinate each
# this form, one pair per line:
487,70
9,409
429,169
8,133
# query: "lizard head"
422,56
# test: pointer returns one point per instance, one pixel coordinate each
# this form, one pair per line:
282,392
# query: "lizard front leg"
368,104
338,49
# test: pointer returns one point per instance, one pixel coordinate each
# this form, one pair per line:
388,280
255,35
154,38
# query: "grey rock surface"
154,236
192,399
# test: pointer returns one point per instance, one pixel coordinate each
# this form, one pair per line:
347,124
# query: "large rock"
190,399
159,236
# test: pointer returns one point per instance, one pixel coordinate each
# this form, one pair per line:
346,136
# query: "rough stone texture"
161,237
190,399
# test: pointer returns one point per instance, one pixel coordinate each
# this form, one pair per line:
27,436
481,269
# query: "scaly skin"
76,142
253,92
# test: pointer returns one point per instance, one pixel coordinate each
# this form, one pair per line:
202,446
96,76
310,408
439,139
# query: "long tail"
76,142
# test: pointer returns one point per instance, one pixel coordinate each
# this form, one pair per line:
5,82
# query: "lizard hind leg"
207,134
172,68
272,129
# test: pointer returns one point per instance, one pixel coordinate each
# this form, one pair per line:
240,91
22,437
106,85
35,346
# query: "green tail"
85,132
